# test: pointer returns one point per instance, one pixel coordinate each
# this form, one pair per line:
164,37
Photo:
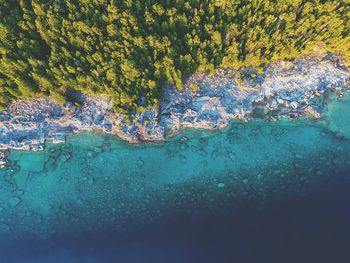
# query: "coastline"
293,90
256,160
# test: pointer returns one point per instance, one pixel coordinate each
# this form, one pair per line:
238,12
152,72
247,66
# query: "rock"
276,172
260,111
340,149
91,154
215,154
139,162
231,155
319,173
297,165
52,150
294,105
14,201
336,162
183,139
298,156
106,147
67,156
3,164
97,149
202,152
3,159
91,180
220,185
182,158
312,112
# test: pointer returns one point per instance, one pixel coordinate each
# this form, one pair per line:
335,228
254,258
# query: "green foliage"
128,48
195,88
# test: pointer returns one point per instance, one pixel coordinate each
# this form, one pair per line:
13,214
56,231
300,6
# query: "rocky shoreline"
283,90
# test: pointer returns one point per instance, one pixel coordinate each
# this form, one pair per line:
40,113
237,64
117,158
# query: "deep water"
254,192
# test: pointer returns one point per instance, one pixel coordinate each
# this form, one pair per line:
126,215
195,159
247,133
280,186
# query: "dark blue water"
257,192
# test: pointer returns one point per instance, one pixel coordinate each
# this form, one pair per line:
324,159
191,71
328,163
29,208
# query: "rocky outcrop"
283,90
3,159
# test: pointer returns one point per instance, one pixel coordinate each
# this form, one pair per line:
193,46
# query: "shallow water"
258,190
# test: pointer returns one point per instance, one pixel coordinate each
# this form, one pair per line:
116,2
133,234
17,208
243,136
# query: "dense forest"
129,48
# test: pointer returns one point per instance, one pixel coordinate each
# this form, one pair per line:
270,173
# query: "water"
256,191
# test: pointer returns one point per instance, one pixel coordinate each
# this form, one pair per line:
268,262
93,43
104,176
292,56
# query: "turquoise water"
95,186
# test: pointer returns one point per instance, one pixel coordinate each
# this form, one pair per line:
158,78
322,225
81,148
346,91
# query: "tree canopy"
129,48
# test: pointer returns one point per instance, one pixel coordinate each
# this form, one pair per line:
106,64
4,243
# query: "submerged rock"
140,162
106,147
221,185
14,201
231,155
91,154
